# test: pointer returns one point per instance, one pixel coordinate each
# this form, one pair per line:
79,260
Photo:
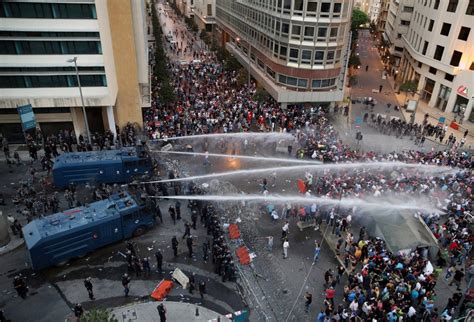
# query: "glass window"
302,82
445,29
325,83
309,31
438,55
285,28
337,8
330,55
312,6
306,54
470,8
333,33
318,55
291,81
283,51
456,58
316,83
298,5
464,33
322,31
296,30
452,5
325,7
294,54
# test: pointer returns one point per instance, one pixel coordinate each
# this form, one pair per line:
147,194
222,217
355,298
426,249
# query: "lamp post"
74,60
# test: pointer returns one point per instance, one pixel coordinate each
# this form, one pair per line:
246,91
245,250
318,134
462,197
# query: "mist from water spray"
430,169
238,156
240,135
387,203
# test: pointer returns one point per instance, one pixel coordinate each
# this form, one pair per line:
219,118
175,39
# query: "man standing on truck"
89,286
126,284
174,245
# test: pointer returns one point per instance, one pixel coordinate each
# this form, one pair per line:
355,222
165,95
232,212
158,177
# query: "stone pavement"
176,312
368,83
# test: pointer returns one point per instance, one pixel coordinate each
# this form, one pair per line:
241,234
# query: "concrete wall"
128,104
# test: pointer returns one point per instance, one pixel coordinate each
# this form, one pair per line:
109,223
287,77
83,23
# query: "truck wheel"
139,231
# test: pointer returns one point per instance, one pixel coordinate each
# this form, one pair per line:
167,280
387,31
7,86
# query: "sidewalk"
176,311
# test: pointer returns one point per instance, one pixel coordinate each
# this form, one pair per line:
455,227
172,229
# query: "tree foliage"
354,61
409,86
358,18
98,315
261,95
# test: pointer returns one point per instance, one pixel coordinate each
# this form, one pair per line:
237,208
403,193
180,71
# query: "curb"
11,246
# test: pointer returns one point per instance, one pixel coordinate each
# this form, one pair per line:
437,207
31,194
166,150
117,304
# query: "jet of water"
238,156
327,166
241,135
282,199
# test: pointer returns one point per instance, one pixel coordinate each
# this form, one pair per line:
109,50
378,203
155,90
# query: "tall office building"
398,21
38,40
439,55
297,49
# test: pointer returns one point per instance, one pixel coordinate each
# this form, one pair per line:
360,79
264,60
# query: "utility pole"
74,60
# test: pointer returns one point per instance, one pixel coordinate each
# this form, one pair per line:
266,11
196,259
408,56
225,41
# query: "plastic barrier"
162,290
234,231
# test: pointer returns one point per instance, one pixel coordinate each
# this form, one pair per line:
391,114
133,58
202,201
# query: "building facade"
204,14
298,50
439,55
382,17
398,22
38,40
374,10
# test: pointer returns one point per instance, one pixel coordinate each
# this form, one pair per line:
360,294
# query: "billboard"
27,117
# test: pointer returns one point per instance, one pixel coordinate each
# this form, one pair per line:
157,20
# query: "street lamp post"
74,60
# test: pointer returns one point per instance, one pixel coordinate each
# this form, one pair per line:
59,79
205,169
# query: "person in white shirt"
286,245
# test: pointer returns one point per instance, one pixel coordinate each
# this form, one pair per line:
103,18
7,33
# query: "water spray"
240,135
282,199
238,156
330,166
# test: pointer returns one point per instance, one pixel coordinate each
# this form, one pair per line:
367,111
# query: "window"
399,36
209,9
420,64
309,32
47,10
456,58
400,49
318,55
430,26
333,32
445,29
283,51
405,22
337,8
306,55
316,83
325,7
285,28
312,6
464,33
449,77
470,8
298,5
433,70
294,54
322,31
407,9
302,82
452,5
438,55
425,48
296,31
330,55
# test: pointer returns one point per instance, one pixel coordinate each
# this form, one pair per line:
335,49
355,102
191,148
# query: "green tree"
408,87
261,95
232,64
242,76
98,315
358,18
166,93
354,61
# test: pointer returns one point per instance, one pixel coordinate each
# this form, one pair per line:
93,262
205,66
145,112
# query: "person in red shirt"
330,293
